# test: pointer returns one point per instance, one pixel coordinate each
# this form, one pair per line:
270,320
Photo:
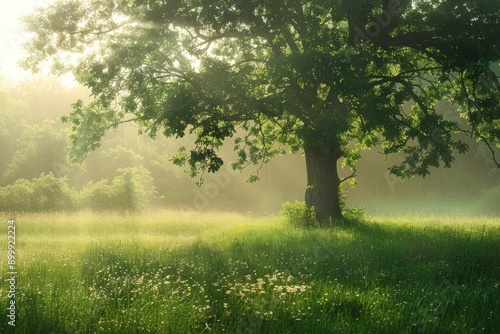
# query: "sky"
12,36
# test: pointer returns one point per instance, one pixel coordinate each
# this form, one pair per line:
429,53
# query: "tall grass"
178,272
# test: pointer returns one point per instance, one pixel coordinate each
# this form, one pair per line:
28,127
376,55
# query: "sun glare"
13,37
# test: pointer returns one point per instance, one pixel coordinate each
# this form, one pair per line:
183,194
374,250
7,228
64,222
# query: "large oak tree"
328,77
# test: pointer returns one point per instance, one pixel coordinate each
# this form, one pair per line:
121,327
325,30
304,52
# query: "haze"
462,189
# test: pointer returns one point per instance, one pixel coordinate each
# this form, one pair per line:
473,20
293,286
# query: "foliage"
134,188
118,154
354,215
99,196
278,76
131,190
11,123
39,143
46,98
32,141
178,272
43,194
31,147
299,215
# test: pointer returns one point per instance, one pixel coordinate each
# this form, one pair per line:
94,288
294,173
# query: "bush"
46,193
299,215
98,196
16,197
132,190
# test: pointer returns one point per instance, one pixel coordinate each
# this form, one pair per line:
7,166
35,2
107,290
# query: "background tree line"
327,79
134,173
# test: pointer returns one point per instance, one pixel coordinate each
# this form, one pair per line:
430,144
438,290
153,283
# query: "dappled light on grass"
219,273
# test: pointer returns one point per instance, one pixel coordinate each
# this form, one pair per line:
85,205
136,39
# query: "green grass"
174,272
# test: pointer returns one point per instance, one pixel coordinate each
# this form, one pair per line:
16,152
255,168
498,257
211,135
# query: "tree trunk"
323,182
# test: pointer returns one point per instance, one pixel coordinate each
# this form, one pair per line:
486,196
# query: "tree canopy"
326,77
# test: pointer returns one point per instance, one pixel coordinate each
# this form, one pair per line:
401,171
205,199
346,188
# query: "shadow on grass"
364,277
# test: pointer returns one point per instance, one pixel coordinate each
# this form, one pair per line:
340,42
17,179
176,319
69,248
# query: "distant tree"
105,163
315,76
46,98
31,141
11,123
131,190
39,149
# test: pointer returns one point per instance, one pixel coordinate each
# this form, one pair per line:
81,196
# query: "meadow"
177,272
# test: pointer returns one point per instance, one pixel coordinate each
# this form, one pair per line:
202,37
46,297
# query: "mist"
34,144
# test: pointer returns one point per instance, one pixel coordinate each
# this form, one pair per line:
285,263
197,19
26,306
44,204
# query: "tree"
131,190
326,77
11,123
46,98
40,149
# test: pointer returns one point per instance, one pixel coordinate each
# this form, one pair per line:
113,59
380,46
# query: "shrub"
16,197
53,194
98,196
46,193
299,215
132,190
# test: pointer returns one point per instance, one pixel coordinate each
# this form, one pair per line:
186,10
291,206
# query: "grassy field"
174,272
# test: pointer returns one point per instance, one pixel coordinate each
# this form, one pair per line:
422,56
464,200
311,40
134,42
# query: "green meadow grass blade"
179,272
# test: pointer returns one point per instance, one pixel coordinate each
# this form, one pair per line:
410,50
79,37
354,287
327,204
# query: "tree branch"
492,150
353,174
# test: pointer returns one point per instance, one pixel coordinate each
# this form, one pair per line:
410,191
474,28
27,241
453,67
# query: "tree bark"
323,182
